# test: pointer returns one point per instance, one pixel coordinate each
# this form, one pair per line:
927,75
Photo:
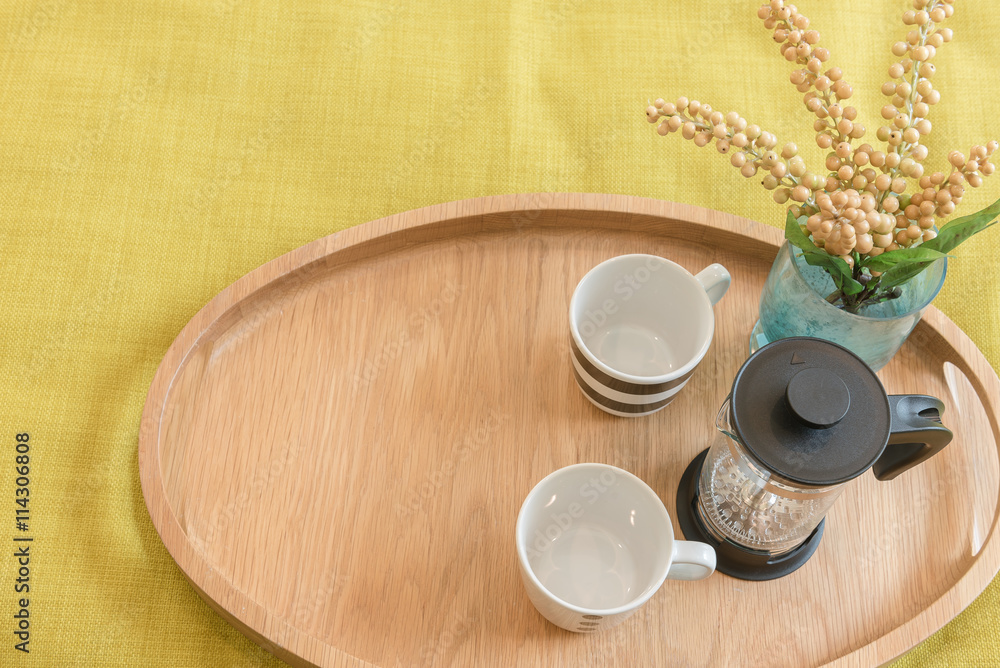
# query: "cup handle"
691,561
715,279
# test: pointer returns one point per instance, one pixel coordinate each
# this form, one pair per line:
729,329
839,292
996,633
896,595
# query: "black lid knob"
818,397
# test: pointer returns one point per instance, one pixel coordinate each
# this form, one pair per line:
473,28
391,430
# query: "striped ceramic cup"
639,326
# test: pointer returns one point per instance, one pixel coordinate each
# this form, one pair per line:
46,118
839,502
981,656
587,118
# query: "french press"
804,417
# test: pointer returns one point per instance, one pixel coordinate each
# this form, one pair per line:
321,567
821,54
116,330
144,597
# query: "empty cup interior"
642,316
595,537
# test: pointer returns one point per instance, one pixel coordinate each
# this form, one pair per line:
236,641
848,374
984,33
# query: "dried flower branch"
860,209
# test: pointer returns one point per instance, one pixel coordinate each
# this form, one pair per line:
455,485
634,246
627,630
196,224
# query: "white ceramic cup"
639,326
594,543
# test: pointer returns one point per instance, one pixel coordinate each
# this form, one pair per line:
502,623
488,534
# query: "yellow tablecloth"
154,152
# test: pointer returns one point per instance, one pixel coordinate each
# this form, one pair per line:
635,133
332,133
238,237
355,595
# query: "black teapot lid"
810,411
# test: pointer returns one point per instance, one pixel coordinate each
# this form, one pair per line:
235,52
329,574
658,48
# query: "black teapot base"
732,559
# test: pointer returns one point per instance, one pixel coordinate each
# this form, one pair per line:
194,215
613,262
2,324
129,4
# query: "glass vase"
793,303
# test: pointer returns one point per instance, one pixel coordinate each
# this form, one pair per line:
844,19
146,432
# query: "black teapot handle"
917,434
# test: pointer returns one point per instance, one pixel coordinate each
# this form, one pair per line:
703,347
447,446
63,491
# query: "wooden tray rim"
466,217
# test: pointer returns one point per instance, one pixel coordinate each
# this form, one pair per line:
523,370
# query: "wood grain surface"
334,451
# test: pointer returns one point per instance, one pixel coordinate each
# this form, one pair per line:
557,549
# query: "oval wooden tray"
334,451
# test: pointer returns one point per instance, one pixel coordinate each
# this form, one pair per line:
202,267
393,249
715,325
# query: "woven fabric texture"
154,152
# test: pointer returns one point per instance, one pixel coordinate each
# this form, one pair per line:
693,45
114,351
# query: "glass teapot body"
741,501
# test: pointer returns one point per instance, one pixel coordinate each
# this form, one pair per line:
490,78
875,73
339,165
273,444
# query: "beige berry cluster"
860,203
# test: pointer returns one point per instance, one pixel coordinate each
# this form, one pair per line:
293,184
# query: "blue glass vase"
793,303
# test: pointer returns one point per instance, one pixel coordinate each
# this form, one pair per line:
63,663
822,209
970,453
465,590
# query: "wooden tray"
334,450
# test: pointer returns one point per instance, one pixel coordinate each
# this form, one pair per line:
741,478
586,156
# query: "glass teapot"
804,417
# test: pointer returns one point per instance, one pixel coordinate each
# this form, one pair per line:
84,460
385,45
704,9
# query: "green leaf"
951,235
798,238
890,259
851,286
960,229
901,273
839,271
